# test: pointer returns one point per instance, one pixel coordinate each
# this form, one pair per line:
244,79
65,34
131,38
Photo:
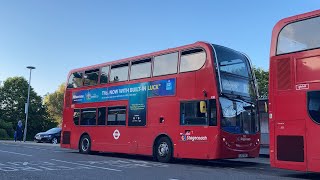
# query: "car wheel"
164,150
85,145
54,141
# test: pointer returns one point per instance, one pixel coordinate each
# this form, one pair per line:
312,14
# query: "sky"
57,36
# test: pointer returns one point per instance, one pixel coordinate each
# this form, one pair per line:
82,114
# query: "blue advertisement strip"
162,88
137,95
165,87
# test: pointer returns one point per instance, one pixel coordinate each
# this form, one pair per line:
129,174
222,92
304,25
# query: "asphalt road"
20,161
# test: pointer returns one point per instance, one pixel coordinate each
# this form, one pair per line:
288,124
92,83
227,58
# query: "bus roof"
149,55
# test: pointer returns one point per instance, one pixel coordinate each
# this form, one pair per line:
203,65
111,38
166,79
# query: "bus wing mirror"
203,107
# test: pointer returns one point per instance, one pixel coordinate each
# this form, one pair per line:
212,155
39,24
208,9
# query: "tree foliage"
54,103
13,96
262,77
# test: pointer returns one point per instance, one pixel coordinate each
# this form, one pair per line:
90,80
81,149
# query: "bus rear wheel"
164,150
85,145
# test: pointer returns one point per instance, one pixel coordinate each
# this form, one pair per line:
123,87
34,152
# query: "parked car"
51,136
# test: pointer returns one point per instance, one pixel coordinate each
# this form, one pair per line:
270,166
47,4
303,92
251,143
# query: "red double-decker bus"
197,101
294,93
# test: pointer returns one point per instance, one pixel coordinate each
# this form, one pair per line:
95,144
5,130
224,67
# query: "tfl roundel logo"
116,134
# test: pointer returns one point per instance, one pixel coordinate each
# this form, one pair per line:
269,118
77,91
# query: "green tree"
6,129
54,103
12,104
262,77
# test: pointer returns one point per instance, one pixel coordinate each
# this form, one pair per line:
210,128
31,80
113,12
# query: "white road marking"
41,149
60,151
38,166
15,153
87,165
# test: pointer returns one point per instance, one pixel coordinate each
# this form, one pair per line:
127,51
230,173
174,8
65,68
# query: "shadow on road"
304,175
225,163
203,163
242,165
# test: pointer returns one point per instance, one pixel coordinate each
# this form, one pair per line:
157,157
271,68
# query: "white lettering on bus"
115,91
124,90
138,89
105,93
77,97
154,87
197,138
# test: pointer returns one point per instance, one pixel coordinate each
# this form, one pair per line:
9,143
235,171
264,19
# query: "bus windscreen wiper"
237,98
244,100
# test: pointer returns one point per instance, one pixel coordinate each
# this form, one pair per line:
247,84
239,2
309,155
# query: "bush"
3,134
7,126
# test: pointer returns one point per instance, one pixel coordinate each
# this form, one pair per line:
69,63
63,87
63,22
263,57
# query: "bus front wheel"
85,145
164,150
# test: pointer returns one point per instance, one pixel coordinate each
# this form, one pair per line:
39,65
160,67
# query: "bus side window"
314,105
117,115
119,72
91,77
76,116
165,64
190,114
192,60
75,80
212,112
102,116
104,75
88,116
140,69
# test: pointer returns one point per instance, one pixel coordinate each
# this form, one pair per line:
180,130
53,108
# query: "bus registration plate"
242,155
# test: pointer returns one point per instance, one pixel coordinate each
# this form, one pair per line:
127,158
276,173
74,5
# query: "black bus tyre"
164,150
85,145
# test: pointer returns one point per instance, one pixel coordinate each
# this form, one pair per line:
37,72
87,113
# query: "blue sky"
57,36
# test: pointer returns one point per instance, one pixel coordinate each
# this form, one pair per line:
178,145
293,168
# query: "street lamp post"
27,107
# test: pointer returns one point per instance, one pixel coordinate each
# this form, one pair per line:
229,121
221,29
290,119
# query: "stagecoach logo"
302,86
116,134
188,136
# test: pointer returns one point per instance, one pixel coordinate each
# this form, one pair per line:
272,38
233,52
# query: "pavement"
28,160
264,150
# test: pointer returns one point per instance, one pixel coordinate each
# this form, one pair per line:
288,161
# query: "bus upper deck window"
192,60
140,69
119,73
104,75
75,80
299,36
91,77
165,64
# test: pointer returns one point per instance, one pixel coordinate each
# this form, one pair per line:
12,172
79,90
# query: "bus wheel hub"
163,149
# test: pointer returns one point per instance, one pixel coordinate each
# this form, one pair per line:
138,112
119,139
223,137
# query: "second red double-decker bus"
294,93
197,101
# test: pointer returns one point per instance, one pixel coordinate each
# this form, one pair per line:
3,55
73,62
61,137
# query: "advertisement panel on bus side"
137,95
